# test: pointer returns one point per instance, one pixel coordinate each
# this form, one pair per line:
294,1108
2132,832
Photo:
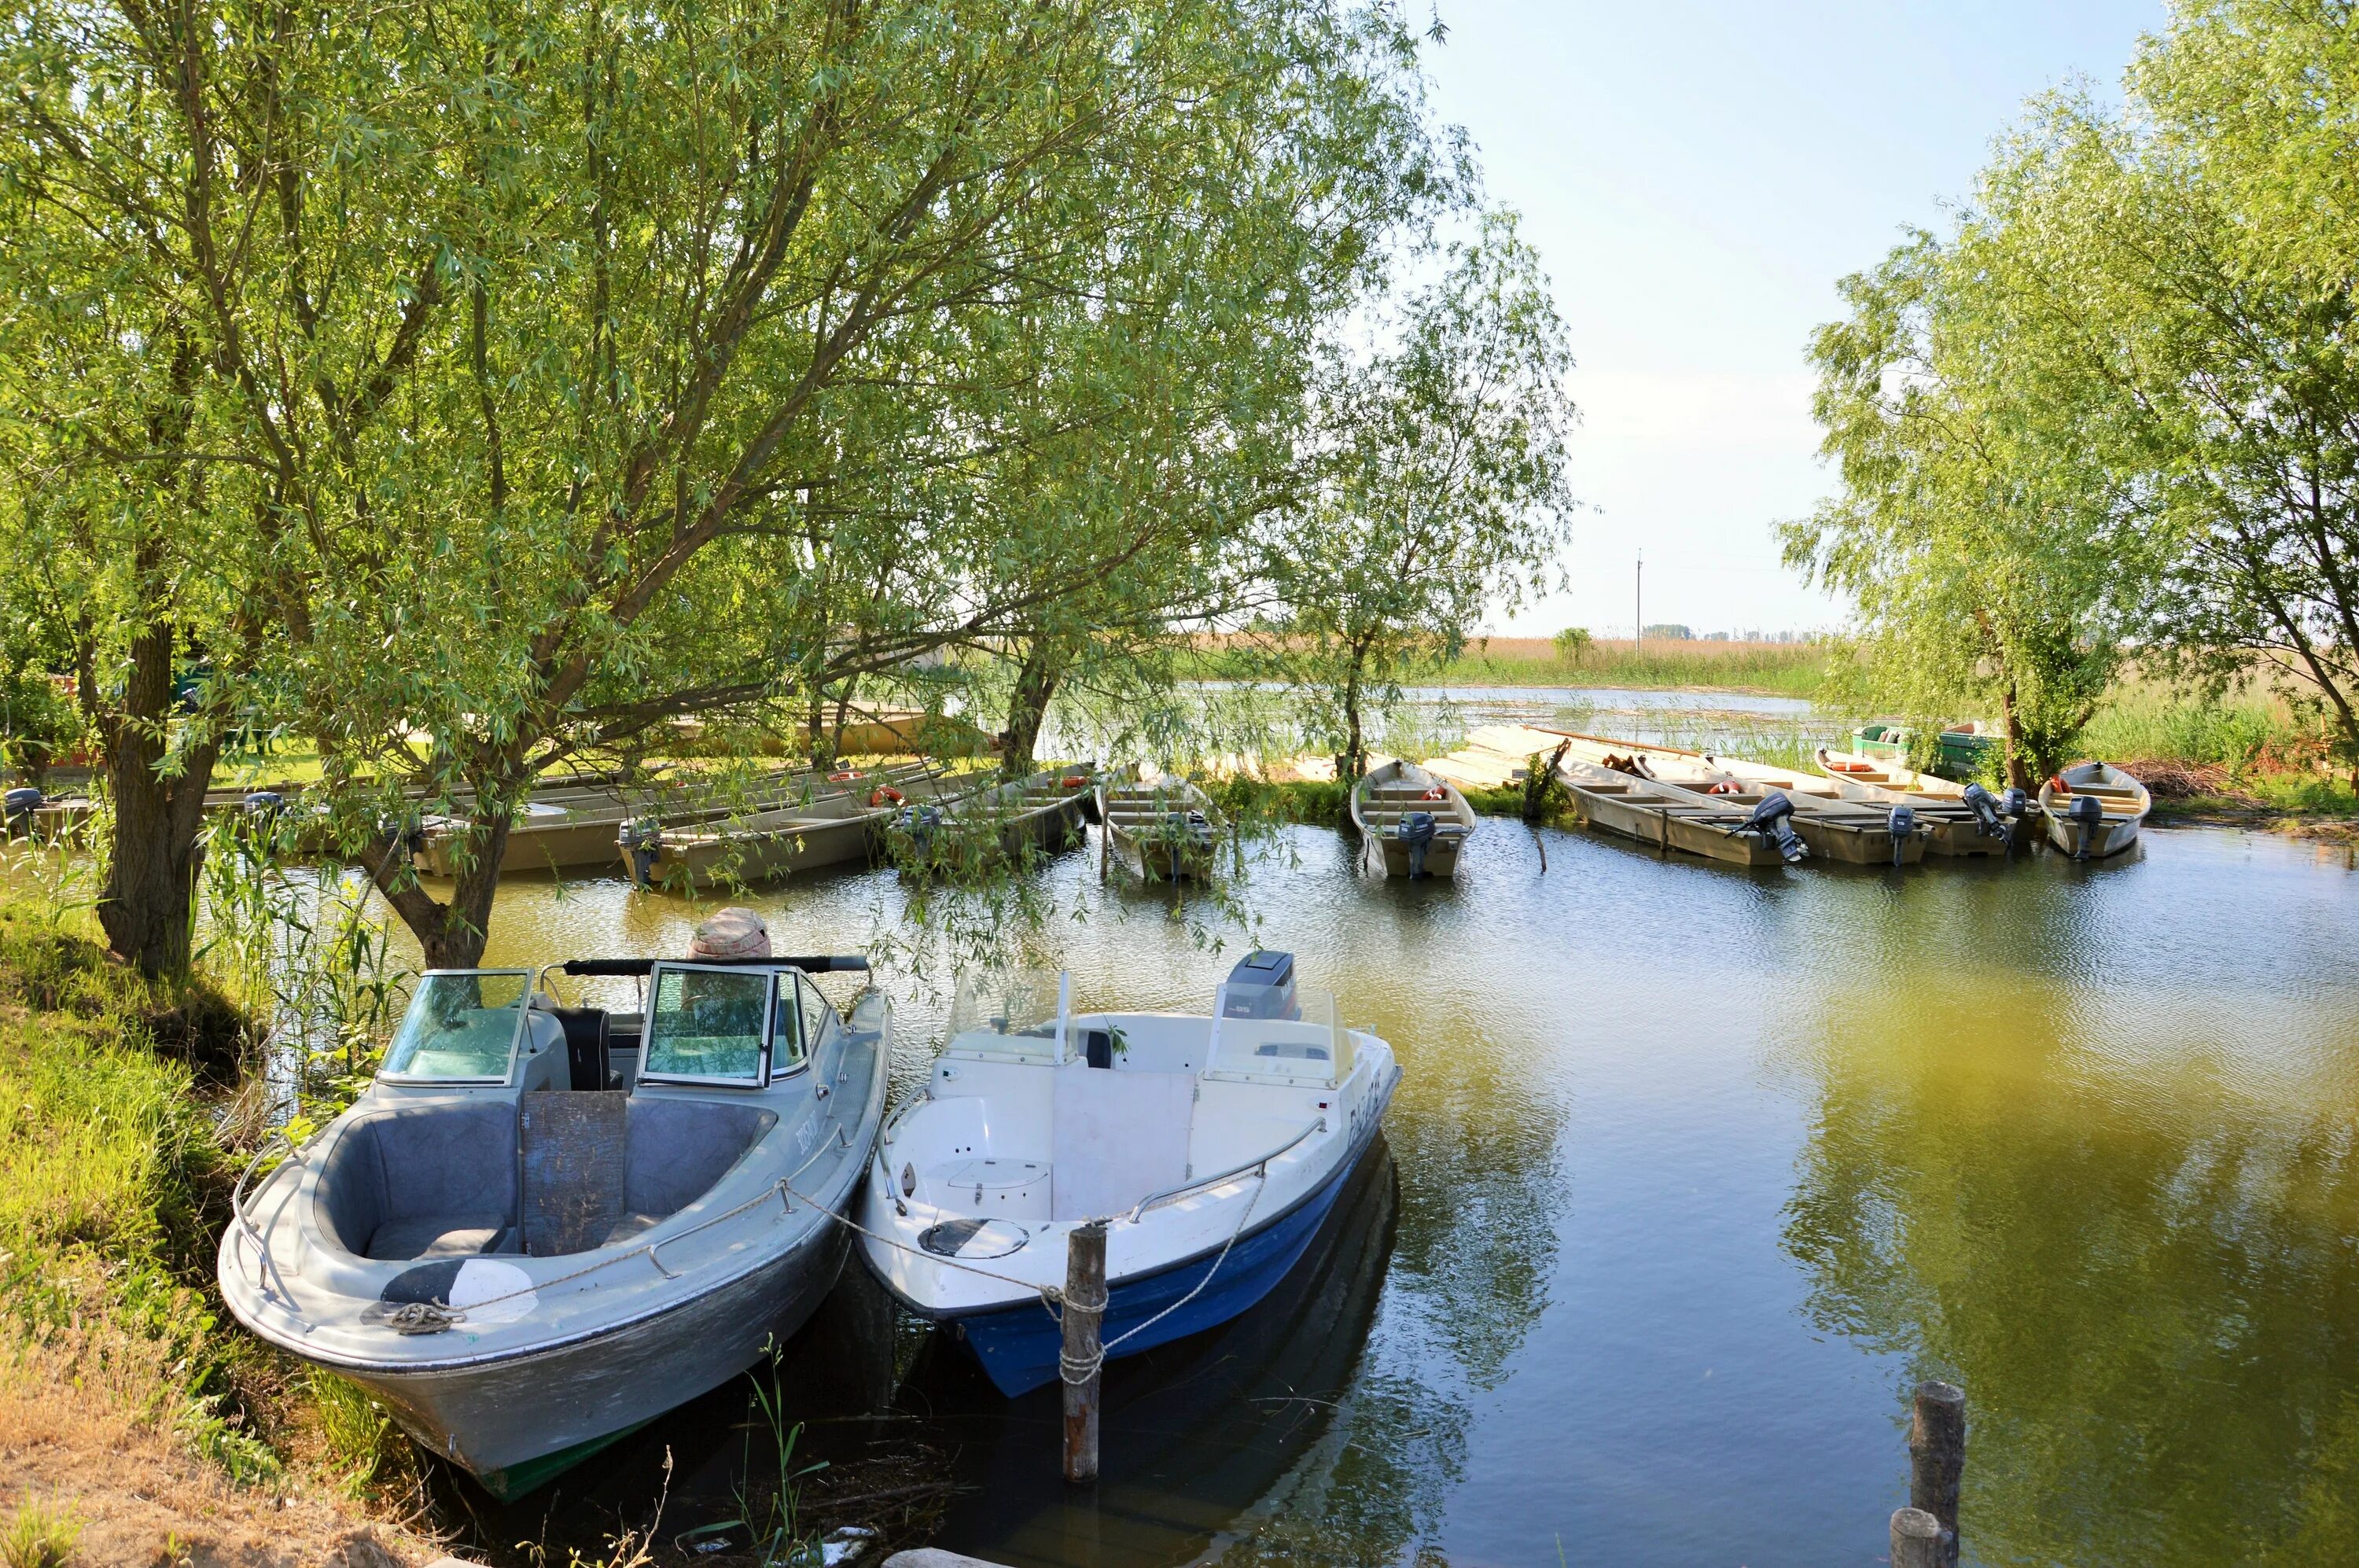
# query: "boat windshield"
1277,1032
708,1025
461,1028
1011,1014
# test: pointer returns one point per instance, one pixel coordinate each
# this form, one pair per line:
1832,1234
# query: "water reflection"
2093,1154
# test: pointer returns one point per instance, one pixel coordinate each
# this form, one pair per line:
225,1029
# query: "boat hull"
516,1423
751,857
1666,828
2113,835
1388,857
1018,1346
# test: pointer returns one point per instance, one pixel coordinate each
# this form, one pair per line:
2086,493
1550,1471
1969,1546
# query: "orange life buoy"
1726,787
1073,781
885,793
1436,793
845,776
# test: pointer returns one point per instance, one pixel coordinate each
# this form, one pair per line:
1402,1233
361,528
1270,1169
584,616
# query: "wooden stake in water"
1937,1461
1917,1539
1086,1302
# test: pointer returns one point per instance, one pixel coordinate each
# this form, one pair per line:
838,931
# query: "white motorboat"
1213,1146
542,1226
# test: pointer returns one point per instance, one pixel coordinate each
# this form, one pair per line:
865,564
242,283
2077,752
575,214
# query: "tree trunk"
823,746
451,935
150,902
1355,755
2018,776
1027,707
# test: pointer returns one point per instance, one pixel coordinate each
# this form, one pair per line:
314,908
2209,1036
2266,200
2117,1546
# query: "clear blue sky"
1697,177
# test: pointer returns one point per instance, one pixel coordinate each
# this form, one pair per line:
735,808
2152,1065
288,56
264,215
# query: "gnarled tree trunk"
149,904
1027,707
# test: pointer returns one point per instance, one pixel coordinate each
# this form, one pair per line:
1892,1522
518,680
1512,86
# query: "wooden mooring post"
1937,1465
1916,1538
1085,1304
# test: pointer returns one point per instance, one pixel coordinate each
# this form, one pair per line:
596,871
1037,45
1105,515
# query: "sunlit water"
1694,1173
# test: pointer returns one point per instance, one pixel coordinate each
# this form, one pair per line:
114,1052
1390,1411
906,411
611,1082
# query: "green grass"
112,1182
38,1536
1791,669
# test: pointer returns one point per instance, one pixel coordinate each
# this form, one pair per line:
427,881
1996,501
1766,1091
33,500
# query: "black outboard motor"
919,822
1989,822
1904,828
16,809
1262,987
263,803
2087,814
1773,820
642,842
1416,829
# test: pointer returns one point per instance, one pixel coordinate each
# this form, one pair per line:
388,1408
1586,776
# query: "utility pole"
1639,603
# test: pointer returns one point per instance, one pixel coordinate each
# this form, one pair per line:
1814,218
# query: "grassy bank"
136,1424
2245,758
1791,669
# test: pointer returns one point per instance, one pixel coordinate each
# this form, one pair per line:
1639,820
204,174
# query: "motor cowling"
1989,822
1773,820
16,809
1904,828
1417,830
2087,814
642,842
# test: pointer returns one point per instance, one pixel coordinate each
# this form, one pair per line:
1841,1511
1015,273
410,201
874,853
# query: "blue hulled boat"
1213,1146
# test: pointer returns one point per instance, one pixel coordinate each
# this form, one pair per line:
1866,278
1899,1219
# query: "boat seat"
439,1236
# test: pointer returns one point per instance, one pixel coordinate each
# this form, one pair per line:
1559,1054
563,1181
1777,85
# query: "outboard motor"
1989,822
1904,828
263,803
1262,987
919,822
2087,814
642,842
1773,820
16,809
1416,829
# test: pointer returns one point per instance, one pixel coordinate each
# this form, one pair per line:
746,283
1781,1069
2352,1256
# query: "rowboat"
1163,828
1845,832
1715,827
1411,823
1963,819
843,823
2093,810
1212,1148
1038,815
542,1226
1959,750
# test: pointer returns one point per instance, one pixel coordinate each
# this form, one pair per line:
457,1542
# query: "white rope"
1079,1372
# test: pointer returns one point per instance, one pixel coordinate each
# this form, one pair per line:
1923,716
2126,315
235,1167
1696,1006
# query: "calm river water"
1693,1175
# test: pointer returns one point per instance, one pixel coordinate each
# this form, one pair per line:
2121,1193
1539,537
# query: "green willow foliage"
484,386
2119,406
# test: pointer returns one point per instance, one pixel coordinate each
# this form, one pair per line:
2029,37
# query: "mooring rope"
1082,1371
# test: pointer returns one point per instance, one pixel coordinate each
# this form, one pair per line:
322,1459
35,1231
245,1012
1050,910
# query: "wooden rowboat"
1958,827
839,821
1162,829
1038,815
2093,810
1716,828
1846,832
1411,823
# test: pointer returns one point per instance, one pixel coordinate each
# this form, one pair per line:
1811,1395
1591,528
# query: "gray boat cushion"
439,1236
679,1148
455,1165
443,1181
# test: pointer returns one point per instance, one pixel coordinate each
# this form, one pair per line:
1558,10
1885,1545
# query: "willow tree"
1984,543
2193,256
1437,487
531,351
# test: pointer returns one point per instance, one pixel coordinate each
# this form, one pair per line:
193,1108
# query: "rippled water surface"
1693,1172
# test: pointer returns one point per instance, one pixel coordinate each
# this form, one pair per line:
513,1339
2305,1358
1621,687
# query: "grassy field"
1792,669
141,1426
2248,758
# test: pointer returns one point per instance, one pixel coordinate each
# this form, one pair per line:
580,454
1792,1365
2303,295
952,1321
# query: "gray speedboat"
543,1226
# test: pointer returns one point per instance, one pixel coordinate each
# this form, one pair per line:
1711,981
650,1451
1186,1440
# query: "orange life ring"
884,793
845,776
1073,781
1726,787
1436,793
